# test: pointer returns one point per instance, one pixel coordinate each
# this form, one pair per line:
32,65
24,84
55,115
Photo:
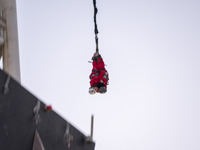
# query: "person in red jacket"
99,76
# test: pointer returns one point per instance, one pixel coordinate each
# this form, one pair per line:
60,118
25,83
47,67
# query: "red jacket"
99,73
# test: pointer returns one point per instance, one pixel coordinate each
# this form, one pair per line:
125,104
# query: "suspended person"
99,75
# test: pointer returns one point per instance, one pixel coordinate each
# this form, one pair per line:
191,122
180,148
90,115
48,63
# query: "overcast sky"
152,52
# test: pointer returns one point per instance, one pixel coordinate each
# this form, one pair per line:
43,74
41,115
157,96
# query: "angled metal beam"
37,144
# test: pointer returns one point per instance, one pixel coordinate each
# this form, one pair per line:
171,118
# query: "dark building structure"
25,124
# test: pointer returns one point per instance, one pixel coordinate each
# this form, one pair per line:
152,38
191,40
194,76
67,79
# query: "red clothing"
98,73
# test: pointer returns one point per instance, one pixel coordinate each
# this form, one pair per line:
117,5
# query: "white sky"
152,51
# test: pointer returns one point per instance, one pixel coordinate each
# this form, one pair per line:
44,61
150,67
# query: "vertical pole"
11,62
92,126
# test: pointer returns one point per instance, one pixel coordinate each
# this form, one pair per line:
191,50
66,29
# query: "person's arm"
93,81
104,81
95,65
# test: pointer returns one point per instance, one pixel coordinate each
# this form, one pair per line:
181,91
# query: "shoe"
96,54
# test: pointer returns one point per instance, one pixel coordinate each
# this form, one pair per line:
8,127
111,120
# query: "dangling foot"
95,56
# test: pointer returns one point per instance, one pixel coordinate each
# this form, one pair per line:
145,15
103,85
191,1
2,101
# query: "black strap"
95,25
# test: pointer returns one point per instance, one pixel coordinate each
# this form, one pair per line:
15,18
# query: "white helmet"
92,91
